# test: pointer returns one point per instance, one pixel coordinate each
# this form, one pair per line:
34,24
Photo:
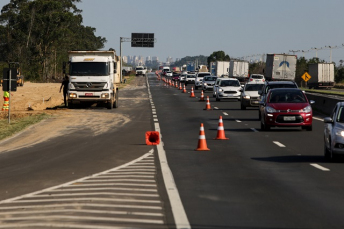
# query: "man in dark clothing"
65,84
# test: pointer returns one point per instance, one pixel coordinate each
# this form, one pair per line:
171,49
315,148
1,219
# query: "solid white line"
253,129
319,119
79,205
96,193
114,184
104,188
82,211
178,211
90,199
138,173
86,218
225,113
125,176
279,144
320,167
117,180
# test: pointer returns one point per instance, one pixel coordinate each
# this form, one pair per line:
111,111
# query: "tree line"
39,33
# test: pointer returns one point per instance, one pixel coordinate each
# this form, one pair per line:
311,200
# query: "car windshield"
190,76
282,96
254,87
257,77
89,69
272,86
210,78
232,83
340,117
139,68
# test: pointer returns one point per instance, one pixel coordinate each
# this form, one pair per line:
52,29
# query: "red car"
286,107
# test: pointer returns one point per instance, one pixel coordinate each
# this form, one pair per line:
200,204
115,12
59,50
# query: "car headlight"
339,132
307,109
246,97
270,110
205,84
220,89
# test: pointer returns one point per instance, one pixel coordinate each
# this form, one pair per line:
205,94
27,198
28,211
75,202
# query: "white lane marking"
125,176
319,119
279,144
320,167
103,189
95,193
155,120
237,120
155,116
117,180
178,211
79,205
254,130
113,184
108,200
225,113
216,108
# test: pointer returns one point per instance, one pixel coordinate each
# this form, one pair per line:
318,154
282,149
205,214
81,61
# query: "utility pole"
331,47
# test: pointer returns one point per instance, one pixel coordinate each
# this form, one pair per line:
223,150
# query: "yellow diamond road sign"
306,77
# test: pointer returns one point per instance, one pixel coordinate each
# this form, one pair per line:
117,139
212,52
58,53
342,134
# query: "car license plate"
88,94
289,118
255,102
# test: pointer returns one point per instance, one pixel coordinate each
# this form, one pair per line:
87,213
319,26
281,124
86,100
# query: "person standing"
65,84
5,107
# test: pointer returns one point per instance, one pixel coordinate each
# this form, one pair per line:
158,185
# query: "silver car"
208,82
334,132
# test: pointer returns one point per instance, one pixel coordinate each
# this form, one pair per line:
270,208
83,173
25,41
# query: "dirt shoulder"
40,96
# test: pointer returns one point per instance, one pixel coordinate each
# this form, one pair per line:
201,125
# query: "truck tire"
109,105
22,82
115,104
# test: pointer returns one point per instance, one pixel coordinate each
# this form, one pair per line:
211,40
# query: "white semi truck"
322,75
92,78
238,69
280,67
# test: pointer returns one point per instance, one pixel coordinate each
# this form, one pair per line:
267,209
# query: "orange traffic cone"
202,96
184,89
180,86
207,107
192,95
202,143
176,84
220,131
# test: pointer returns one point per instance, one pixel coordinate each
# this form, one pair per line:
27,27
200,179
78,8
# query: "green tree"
217,56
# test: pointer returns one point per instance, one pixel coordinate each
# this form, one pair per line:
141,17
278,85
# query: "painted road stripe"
225,113
79,184
117,180
319,119
108,200
124,176
216,108
254,130
96,193
320,167
79,205
237,120
279,144
104,188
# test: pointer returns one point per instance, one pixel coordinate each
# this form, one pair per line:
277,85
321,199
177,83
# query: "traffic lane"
192,174
80,154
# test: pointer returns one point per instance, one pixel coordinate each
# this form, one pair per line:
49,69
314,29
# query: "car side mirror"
328,120
311,101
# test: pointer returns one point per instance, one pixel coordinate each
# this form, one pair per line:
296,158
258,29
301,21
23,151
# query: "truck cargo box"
280,67
322,75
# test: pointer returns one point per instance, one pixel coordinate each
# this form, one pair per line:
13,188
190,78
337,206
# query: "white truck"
280,67
238,69
322,75
92,78
140,71
219,68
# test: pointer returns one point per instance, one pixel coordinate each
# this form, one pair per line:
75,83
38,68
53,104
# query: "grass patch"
326,92
18,124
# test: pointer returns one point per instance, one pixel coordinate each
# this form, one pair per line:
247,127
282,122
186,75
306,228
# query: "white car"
182,77
208,82
256,78
168,74
190,78
199,78
228,88
250,96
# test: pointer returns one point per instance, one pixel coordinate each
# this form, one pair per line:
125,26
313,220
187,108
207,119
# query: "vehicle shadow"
293,159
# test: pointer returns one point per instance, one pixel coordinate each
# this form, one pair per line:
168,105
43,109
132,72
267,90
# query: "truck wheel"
115,104
22,82
109,104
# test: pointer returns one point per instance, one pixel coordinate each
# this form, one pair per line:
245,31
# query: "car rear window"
232,83
256,77
210,78
282,96
254,87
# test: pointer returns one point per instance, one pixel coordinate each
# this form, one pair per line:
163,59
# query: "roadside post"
9,75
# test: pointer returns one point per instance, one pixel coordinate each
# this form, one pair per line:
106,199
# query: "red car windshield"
282,96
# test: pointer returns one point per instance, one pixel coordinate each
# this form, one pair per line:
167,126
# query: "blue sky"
200,27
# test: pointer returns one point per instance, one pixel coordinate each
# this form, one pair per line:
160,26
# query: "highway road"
255,179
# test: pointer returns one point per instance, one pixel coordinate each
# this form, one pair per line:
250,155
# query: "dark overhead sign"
145,40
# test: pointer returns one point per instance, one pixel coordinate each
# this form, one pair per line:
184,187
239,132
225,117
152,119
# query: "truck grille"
89,86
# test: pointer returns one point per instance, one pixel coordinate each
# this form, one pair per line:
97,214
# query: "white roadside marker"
279,144
320,167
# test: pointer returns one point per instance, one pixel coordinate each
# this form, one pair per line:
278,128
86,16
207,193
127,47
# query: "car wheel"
196,88
327,153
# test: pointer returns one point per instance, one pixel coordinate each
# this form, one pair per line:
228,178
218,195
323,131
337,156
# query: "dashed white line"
320,167
216,108
237,120
279,144
225,113
319,119
254,130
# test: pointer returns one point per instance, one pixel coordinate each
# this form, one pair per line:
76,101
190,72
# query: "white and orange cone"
202,143
180,86
220,131
192,95
184,89
208,107
202,97
176,84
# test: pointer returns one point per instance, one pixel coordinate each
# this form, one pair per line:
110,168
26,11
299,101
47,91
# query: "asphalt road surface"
255,179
